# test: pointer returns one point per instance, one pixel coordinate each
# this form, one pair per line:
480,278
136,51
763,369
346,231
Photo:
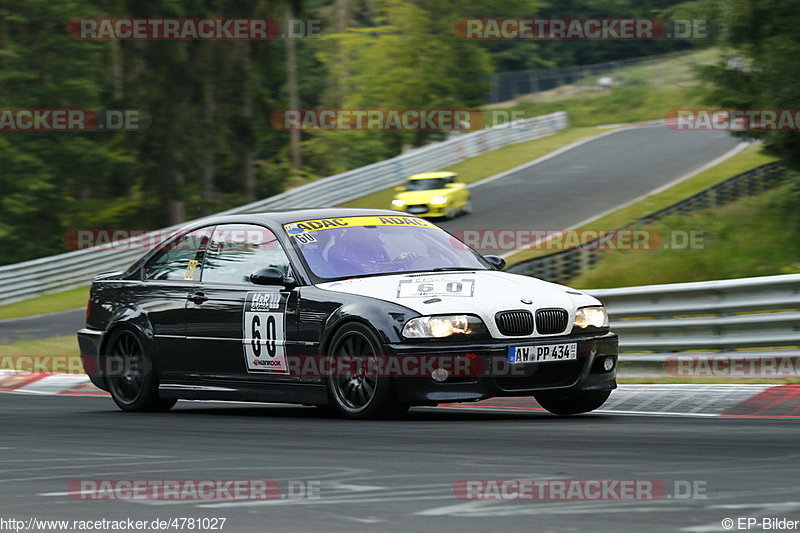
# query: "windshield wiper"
454,269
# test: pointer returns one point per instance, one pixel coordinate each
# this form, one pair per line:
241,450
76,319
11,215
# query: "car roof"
428,175
276,218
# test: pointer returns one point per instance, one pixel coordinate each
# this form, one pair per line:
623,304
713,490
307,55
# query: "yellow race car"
433,194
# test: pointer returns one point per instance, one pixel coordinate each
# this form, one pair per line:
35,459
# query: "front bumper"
583,374
424,210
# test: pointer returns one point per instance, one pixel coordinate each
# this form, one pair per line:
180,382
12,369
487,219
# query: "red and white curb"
712,400
48,383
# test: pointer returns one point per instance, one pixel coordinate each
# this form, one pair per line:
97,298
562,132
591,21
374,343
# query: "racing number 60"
271,331
452,286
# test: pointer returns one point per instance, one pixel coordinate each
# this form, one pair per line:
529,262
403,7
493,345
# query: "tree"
45,174
760,69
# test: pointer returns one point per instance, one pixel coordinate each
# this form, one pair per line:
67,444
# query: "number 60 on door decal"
263,336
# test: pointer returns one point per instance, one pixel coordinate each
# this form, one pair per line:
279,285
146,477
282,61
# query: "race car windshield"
363,246
427,184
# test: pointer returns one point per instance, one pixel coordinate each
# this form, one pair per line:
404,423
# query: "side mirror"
450,185
268,276
496,261
400,188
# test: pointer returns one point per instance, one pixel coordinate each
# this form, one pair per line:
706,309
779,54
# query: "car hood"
482,293
420,197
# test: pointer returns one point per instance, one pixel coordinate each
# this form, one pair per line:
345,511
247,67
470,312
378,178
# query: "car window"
238,250
427,184
364,245
178,259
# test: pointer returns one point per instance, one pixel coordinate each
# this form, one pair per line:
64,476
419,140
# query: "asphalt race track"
395,475
591,179
37,327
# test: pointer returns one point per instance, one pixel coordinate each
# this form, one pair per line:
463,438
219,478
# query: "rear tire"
572,403
467,209
360,393
134,385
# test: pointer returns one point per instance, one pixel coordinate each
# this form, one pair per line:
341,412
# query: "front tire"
134,384
572,403
356,390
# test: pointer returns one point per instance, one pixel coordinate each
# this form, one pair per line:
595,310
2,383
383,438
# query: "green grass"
620,104
49,303
672,71
642,92
67,345
747,159
56,354
483,166
754,236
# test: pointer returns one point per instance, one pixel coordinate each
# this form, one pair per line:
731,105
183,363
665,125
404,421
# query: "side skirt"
247,392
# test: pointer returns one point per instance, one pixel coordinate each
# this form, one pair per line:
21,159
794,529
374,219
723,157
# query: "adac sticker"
191,268
305,226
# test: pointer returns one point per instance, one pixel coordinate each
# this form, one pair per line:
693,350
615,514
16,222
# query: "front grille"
514,323
417,209
550,374
550,321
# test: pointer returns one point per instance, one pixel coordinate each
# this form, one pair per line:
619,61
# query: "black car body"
225,308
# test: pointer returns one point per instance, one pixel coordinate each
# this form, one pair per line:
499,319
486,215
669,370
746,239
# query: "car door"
238,330
167,278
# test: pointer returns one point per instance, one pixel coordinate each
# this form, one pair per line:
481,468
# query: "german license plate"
543,353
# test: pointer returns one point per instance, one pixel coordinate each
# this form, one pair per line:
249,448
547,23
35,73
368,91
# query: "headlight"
438,200
426,327
591,317
398,203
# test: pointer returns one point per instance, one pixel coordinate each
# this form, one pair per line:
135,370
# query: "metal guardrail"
562,266
25,280
746,318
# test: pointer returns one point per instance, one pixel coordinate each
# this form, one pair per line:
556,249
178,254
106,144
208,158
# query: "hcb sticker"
264,333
